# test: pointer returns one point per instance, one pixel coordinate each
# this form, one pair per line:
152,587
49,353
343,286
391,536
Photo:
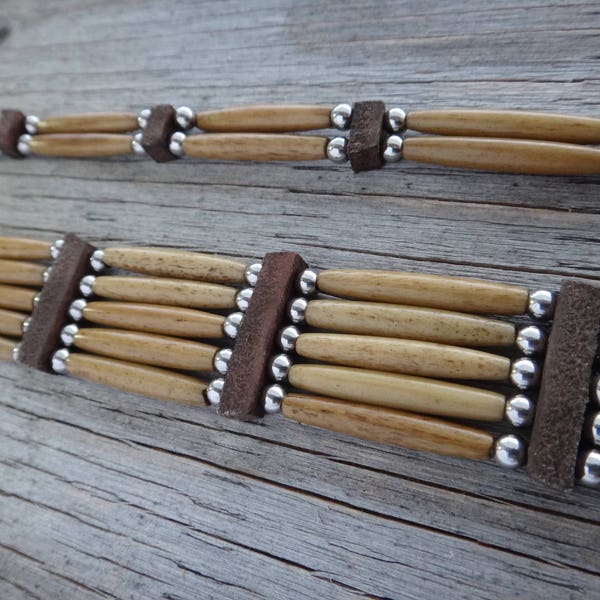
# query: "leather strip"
365,145
12,127
157,134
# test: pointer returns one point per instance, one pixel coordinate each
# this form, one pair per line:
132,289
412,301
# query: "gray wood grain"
109,495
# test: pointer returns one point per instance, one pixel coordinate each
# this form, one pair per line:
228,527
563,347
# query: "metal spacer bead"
288,337
395,120
136,144
46,275
143,118
15,353
593,429
97,261
337,150
86,286
214,391
68,333
341,116
519,411
185,117
36,299
273,399
252,273
531,340
232,323
56,248
298,310
176,143
23,144
76,309
307,283
59,361
32,124
280,367
510,451
595,391
525,373
25,325
393,149
222,359
541,304
242,298
589,469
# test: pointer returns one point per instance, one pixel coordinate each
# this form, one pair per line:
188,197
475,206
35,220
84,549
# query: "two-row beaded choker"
427,362
504,141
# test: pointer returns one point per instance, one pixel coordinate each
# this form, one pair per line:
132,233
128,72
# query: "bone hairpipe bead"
165,320
11,323
139,379
506,156
173,292
403,356
118,122
388,426
150,349
255,146
16,298
21,273
403,392
409,322
83,145
265,118
176,263
7,348
506,124
24,249
432,291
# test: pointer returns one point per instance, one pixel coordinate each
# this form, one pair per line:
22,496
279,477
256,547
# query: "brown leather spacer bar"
12,127
365,145
50,314
246,377
157,134
565,387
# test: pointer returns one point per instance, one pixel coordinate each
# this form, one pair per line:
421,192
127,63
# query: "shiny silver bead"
273,399
242,298
337,150
143,118
531,340
340,116
288,337
589,469
298,310
136,144
214,391
519,411
393,149
176,143
509,451
541,304
593,429
232,323
36,299
280,367
59,361
308,282
252,273
32,124
185,117
15,353
56,248
68,333
395,120
595,391
525,373
86,286
26,324
221,360
76,309
97,261
23,144
46,274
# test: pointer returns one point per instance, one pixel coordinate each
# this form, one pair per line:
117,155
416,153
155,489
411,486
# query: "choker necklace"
504,141
393,357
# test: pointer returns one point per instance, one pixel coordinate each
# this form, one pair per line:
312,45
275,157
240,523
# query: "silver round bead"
143,118
56,247
541,304
15,353
340,116
23,145
393,149
273,399
59,361
46,274
136,144
510,451
25,325
36,299
97,261
593,429
221,360
519,411
252,273
595,391
298,310
32,124
531,340
232,323
395,120
176,143
242,298
307,283
589,469
86,286
280,367
337,150
525,373
68,333
288,337
76,309
214,391
185,117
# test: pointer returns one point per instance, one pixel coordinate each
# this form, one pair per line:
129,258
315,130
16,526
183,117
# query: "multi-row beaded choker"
505,141
427,362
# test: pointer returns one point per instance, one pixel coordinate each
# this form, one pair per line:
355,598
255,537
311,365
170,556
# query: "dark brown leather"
157,134
12,127
365,146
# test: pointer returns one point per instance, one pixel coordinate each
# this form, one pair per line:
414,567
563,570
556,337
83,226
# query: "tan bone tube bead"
266,118
150,318
24,249
16,298
118,122
388,426
255,146
139,379
403,392
506,124
15,272
176,263
7,348
431,291
11,323
172,292
409,322
146,348
411,357
83,145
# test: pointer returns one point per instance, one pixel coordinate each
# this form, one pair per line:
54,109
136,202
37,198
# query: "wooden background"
110,495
